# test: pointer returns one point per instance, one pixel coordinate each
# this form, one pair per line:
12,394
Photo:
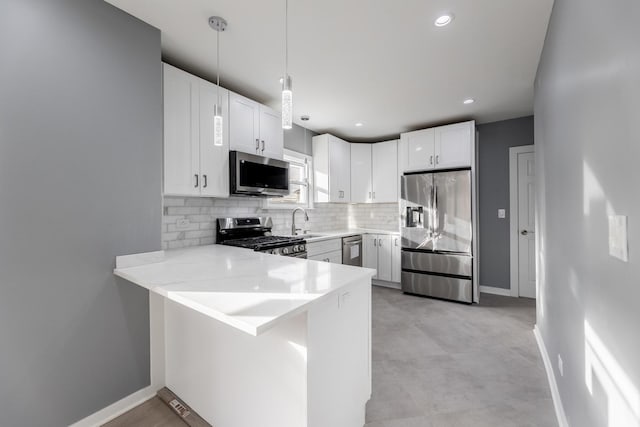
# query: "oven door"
252,175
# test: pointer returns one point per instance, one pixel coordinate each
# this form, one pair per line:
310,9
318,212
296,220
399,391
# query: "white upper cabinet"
453,145
332,169
193,166
420,146
442,147
271,133
361,179
214,159
254,128
385,172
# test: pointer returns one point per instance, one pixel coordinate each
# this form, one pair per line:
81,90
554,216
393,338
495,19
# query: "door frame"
513,215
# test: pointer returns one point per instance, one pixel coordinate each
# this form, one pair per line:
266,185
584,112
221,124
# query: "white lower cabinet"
396,259
379,254
326,250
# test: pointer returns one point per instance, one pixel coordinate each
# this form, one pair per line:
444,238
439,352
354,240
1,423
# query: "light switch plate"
618,245
502,213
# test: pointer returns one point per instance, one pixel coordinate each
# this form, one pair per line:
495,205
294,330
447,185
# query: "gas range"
255,233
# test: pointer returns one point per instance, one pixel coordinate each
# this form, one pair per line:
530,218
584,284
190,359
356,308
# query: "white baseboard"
555,393
116,409
495,291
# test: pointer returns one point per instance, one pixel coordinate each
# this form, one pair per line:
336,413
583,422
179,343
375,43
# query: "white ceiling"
379,62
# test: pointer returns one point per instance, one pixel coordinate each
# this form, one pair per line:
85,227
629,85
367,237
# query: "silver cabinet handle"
326,260
257,145
380,242
395,241
374,194
196,175
263,145
437,159
525,232
369,194
205,181
431,159
375,242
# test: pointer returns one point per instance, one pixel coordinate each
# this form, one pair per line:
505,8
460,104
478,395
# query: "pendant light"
287,94
219,24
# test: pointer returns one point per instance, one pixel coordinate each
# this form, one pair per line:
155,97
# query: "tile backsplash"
201,214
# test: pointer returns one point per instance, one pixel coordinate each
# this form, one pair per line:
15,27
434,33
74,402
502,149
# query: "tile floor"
440,364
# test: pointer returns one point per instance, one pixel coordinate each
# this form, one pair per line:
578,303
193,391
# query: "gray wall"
80,173
299,139
493,194
587,110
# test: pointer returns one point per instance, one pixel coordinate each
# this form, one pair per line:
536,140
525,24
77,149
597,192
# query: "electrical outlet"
560,366
502,213
182,223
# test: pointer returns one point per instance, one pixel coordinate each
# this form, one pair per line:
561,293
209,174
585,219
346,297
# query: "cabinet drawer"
317,248
334,257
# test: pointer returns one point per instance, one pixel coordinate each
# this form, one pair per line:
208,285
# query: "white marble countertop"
328,235
248,290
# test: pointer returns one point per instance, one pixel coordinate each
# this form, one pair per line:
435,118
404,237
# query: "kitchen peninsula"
251,339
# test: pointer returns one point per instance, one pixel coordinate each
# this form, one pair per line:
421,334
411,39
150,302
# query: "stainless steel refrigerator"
437,230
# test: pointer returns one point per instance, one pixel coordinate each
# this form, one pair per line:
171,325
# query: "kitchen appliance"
255,233
253,175
352,251
436,233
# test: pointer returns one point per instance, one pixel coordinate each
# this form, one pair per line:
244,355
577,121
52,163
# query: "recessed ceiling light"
443,20
468,101
359,124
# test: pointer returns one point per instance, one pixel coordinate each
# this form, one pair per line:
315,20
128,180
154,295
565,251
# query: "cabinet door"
339,170
244,124
396,256
453,145
385,172
181,145
420,149
384,257
214,160
370,252
361,189
271,133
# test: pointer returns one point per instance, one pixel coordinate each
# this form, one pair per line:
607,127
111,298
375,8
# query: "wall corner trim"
116,409
555,393
495,291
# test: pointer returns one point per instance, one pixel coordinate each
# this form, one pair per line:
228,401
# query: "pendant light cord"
286,39
218,71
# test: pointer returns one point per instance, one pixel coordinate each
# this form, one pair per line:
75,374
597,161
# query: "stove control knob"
275,251
285,251
296,248
302,248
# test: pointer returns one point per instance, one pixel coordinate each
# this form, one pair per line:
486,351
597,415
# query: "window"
300,183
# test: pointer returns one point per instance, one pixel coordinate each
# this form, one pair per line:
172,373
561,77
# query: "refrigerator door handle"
436,219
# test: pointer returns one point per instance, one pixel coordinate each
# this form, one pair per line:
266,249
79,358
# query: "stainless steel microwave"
252,175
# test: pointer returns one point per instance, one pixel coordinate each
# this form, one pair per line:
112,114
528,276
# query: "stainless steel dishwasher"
352,250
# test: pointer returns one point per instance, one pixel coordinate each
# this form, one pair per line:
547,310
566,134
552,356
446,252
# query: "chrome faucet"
294,230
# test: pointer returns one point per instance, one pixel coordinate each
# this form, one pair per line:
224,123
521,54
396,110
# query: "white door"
214,160
526,226
181,145
385,172
420,150
361,173
453,145
396,261
370,252
244,124
384,257
271,133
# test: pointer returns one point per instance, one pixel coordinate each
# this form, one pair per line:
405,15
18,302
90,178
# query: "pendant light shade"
219,24
287,103
287,94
